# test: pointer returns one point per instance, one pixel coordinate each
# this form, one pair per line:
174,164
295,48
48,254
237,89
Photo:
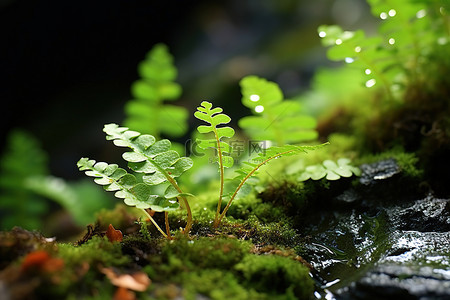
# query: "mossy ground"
233,262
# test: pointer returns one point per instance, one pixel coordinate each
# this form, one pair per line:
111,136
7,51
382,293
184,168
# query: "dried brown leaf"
137,281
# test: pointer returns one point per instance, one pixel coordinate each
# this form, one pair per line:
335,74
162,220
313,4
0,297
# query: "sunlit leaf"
147,111
280,121
215,117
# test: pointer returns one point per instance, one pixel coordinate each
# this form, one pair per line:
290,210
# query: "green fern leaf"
330,170
249,169
22,159
276,119
361,52
391,56
125,186
214,117
155,159
147,112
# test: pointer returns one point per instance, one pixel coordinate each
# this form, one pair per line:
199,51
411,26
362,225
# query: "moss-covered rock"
276,275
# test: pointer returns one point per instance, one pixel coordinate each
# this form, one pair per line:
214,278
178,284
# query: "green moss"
216,267
216,284
121,216
97,250
408,162
81,276
250,205
203,253
276,274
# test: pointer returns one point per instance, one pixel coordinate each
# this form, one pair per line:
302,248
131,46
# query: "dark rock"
394,281
398,250
385,182
427,215
348,198
371,174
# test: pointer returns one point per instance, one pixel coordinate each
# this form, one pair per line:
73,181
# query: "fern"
155,160
250,168
23,158
214,117
126,186
393,55
147,112
276,119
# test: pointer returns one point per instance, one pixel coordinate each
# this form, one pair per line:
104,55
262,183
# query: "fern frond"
394,52
147,112
214,117
276,119
125,186
159,165
250,169
23,158
151,157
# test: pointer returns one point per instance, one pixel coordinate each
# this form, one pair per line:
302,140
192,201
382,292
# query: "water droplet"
370,83
368,71
322,34
338,41
383,16
391,41
392,12
357,49
421,13
442,40
254,98
259,109
349,60
395,87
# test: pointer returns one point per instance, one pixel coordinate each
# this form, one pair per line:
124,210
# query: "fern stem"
221,168
156,224
222,215
188,227
172,181
166,218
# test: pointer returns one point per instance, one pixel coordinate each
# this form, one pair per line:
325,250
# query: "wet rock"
427,215
343,242
400,282
385,182
347,198
381,170
397,250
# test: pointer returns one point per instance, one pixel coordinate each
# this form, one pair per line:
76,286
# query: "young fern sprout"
214,117
156,161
